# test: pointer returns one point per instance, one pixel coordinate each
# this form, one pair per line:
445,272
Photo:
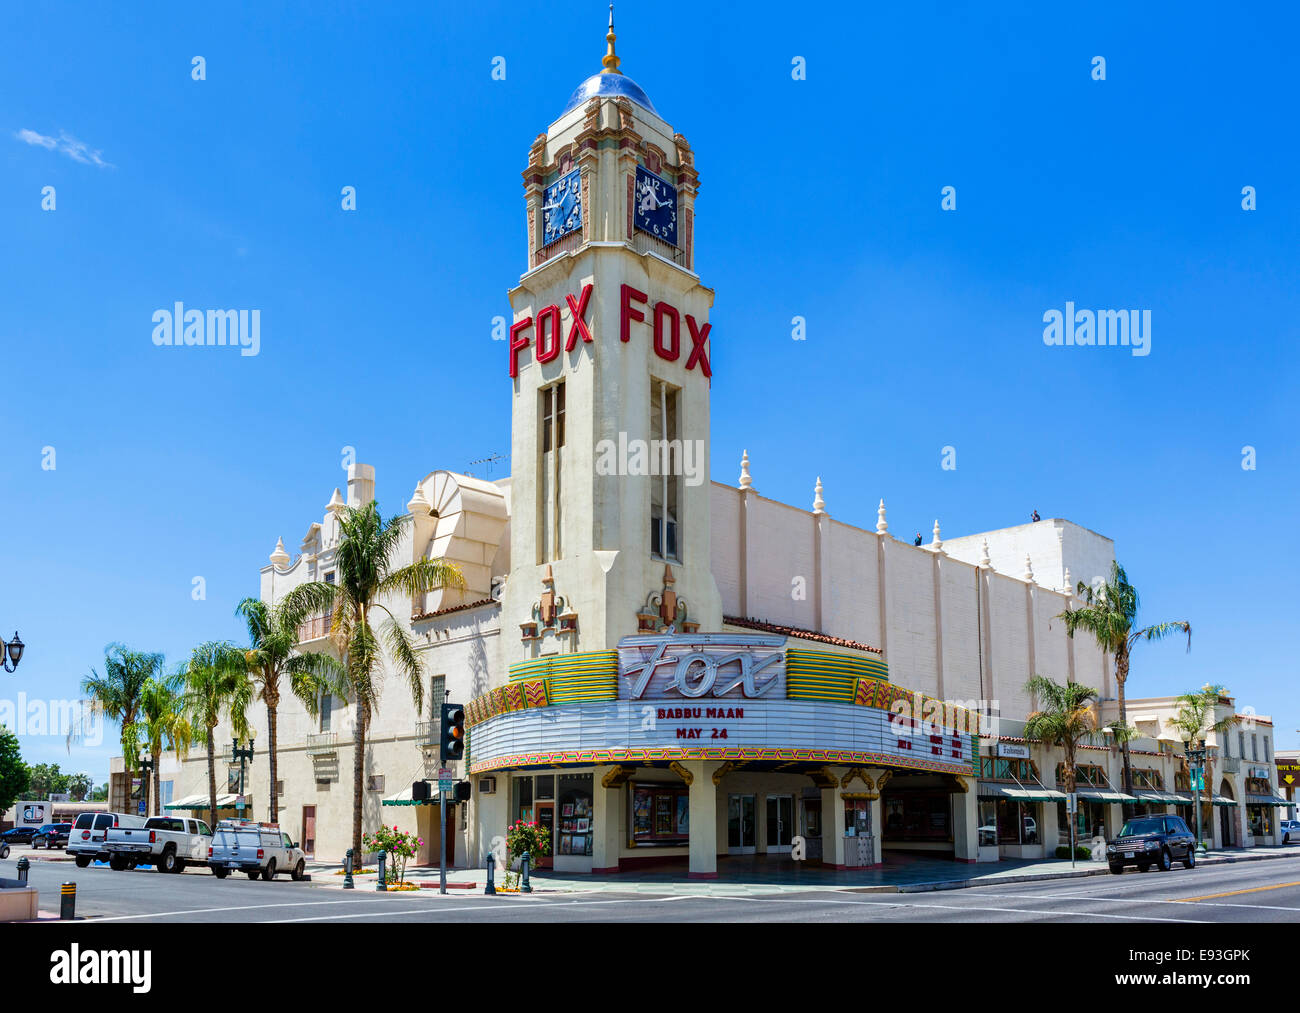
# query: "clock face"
562,206
656,205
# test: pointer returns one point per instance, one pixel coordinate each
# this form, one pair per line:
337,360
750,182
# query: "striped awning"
1151,795
403,797
1273,800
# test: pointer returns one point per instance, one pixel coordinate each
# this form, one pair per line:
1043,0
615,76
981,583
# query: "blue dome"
609,84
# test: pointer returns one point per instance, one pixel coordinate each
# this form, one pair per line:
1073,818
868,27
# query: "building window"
918,816
577,815
329,577
1254,748
1267,758
549,468
665,471
437,695
1241,741
326,709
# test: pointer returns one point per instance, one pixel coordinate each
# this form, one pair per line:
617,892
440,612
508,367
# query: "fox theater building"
671,671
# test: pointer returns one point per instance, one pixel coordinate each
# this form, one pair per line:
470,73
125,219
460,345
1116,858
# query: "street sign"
142,807
1198,779
446,784
446,774
1072,802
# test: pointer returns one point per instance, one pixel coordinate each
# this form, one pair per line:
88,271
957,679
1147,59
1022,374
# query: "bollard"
23,866
524,862
68,902
382,885
491,866
347,871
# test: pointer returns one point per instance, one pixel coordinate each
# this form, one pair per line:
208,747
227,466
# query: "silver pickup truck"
257,849
168,843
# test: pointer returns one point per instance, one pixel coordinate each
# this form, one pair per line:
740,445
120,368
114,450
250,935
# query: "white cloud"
76,150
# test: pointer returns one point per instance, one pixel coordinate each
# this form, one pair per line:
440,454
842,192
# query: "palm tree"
163,723
1110,615
116,695
1196,717
215,681
1065,715
270,658
366,574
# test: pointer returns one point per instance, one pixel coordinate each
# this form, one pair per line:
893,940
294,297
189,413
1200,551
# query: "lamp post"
1195,756
11,653
145,763
241,755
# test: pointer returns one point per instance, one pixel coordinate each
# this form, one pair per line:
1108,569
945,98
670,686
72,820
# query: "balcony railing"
314,628
1231,764
564,244
643,242
322,744
427,732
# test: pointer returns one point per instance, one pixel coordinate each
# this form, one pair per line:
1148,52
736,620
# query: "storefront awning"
1150,795
202,802
403,797
992,790
1220,800
1274,800
1095,795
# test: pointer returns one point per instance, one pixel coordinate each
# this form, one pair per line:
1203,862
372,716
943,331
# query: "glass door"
546,825
741,824
780,821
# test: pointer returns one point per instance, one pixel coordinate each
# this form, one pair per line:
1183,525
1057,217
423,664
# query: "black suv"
1152,840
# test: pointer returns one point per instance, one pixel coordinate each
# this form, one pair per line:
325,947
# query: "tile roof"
802,634
417,617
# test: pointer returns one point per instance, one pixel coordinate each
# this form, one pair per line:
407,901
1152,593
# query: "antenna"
489,461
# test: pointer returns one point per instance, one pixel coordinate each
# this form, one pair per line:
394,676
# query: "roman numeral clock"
562,207
656,206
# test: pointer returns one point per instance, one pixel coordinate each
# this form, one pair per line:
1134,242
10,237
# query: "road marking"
1234,893
211,910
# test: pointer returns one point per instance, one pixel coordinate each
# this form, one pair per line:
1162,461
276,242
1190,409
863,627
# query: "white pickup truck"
257,849
168,843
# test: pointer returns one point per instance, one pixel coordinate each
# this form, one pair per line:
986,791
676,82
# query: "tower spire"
610,61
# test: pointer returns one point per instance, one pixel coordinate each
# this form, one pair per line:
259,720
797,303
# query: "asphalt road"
1262,891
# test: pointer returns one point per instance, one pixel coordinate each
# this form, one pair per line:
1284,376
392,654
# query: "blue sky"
819,198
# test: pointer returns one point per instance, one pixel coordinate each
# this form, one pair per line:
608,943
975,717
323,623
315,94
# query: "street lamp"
1195,773
241,755
11,652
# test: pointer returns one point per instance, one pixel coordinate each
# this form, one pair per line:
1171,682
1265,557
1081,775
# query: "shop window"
918,816
523,801
857,817
665,471
988,825
577,818
544,787
660,814
1017,822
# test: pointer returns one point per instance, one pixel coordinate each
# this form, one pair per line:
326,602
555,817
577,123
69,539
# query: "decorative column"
822,592
607,805
833,821
747,496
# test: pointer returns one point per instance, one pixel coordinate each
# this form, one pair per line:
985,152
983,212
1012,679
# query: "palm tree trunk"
157,786
358,764
270,724
1121,677
212,781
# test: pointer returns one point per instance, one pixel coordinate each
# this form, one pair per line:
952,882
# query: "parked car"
1290,828
51,835
1152,840
18,835
257,849
168,843
86,842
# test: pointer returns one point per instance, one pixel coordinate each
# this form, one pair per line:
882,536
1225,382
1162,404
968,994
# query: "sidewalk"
900,875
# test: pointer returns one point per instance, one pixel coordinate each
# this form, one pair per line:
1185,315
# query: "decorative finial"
984,554
819,504
1069,584
1029,568
746,481
611,61
881,525
418,505
937,544
279,558
336,502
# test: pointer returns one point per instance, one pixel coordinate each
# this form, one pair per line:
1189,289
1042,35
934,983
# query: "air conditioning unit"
487,785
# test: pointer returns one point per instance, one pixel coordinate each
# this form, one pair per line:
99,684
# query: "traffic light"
420,791
453,732
462,791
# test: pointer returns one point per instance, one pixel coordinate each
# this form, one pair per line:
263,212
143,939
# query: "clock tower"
610,370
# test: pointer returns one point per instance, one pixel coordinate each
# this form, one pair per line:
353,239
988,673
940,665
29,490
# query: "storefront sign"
548,330
1013,751
698,665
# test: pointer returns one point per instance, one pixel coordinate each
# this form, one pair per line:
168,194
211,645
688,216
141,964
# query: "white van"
86,840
